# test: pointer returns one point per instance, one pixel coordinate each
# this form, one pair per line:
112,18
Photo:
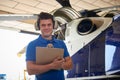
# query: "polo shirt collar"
45,40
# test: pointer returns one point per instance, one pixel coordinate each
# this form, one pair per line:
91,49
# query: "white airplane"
91,38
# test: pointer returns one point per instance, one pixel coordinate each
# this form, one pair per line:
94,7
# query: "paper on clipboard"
45,55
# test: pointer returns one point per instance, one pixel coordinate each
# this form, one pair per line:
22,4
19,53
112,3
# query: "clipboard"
45,55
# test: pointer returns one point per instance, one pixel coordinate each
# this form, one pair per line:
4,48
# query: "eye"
43,25
49,24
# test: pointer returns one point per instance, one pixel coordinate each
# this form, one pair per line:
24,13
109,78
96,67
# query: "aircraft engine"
86,26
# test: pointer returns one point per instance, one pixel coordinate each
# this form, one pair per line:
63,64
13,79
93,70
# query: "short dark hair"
43,16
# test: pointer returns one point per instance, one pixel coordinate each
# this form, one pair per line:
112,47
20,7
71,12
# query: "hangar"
17,15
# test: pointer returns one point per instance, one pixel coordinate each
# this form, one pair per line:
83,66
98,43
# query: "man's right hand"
57,63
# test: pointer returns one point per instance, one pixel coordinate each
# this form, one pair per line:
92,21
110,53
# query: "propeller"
88,13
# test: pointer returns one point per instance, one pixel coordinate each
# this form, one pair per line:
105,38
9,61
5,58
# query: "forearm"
67,64
33,68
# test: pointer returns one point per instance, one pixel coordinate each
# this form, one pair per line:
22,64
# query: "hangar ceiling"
36,6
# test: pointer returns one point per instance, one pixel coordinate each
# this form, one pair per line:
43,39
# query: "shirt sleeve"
30,52
66,53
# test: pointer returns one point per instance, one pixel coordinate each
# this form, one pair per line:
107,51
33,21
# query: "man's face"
46,27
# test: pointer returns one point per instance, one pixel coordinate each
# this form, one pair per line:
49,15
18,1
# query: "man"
55,69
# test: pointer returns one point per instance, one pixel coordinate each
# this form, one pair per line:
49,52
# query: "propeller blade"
20,30
106,8
64,3
9,17
29,32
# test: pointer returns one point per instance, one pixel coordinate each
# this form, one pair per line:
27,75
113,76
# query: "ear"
36,26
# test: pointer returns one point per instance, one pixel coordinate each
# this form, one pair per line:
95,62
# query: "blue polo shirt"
31,56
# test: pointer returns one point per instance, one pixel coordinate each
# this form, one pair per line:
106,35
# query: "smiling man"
55,69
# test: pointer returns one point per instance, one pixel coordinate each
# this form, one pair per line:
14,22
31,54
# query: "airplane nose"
85,26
